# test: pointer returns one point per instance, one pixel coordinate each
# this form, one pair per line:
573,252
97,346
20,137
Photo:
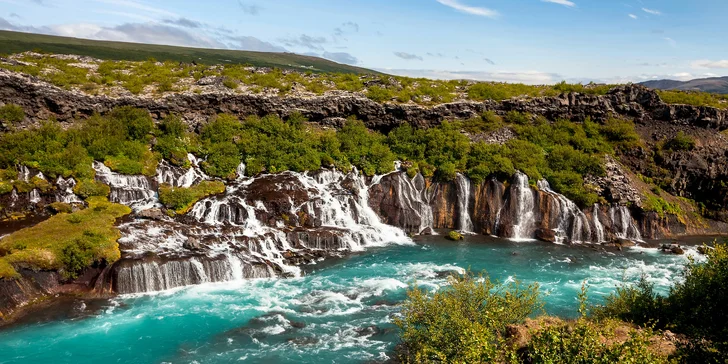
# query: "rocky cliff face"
41,100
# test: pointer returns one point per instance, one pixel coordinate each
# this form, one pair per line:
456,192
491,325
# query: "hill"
718,85
16,42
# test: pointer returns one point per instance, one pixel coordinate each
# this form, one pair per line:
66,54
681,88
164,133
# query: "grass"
16,42
694,98
59,242
181,199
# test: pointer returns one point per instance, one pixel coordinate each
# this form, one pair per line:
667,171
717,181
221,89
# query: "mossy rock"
455,236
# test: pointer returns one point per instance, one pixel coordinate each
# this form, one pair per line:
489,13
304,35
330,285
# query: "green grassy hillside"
16,42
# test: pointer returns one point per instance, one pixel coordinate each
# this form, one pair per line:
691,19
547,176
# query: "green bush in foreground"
695,307
464,322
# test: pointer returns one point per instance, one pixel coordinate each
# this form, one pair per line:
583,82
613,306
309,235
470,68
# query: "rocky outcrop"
40,100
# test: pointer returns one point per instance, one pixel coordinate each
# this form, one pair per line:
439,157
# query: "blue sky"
532,41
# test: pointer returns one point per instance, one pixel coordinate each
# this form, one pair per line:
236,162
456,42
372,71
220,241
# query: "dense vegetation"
694,98
128,142
476,320
695,308
65,242
181,199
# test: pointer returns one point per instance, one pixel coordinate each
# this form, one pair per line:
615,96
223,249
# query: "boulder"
546,235
192,244
152,214
455,236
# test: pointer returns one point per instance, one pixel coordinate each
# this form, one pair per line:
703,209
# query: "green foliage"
379,94
182,199
365,149
519,118
680,142
464,322
694,307
230,83
60,244
589,342
86,188
621,132
661,206
694,98
12,113
454,235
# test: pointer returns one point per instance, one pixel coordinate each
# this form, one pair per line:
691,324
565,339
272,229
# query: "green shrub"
621,132
12,113
86,188
454,235
464,322
230,83
680,142
182,199
515,117
379,94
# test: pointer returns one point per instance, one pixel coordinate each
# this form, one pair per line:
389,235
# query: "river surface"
339,312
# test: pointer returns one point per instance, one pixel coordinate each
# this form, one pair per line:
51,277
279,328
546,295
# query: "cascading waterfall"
524,215
34,196
413,195
598,227
24,174
180,177
623,225
152,276
464,191
239,239
134,191
65,193
572,225
13,197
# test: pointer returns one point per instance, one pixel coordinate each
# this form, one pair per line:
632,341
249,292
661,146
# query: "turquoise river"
340,311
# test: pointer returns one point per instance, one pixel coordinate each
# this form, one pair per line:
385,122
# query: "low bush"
681,142
464,322
182,199
12,113
86,188
60,244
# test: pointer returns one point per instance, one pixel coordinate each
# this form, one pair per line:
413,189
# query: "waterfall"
134,191
598,227
463,186
234,236
623,225
240,171
24,174
180,177
524,216
64,193
151,276
413,196
572,225
13,197
34,196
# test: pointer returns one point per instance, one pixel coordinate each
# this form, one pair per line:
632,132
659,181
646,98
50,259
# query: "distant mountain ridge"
718,85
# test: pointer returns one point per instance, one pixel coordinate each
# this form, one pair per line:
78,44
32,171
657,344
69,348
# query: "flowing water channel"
338,311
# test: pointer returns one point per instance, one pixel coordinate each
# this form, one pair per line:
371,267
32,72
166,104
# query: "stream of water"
337,312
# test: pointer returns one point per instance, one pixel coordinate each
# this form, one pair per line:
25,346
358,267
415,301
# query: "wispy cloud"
183,22
561,2
652,11
250,9
671,41
346,28
528,77
408,56
473,10
139,6
489,61
704,63
632,16
305,41
341,57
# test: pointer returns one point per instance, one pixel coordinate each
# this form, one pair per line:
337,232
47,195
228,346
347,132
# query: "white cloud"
671,41
528,77
632,16
561,2
473,10
652,11
704,63
408,56
139,6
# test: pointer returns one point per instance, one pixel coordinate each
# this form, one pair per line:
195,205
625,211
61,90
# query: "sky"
529,41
